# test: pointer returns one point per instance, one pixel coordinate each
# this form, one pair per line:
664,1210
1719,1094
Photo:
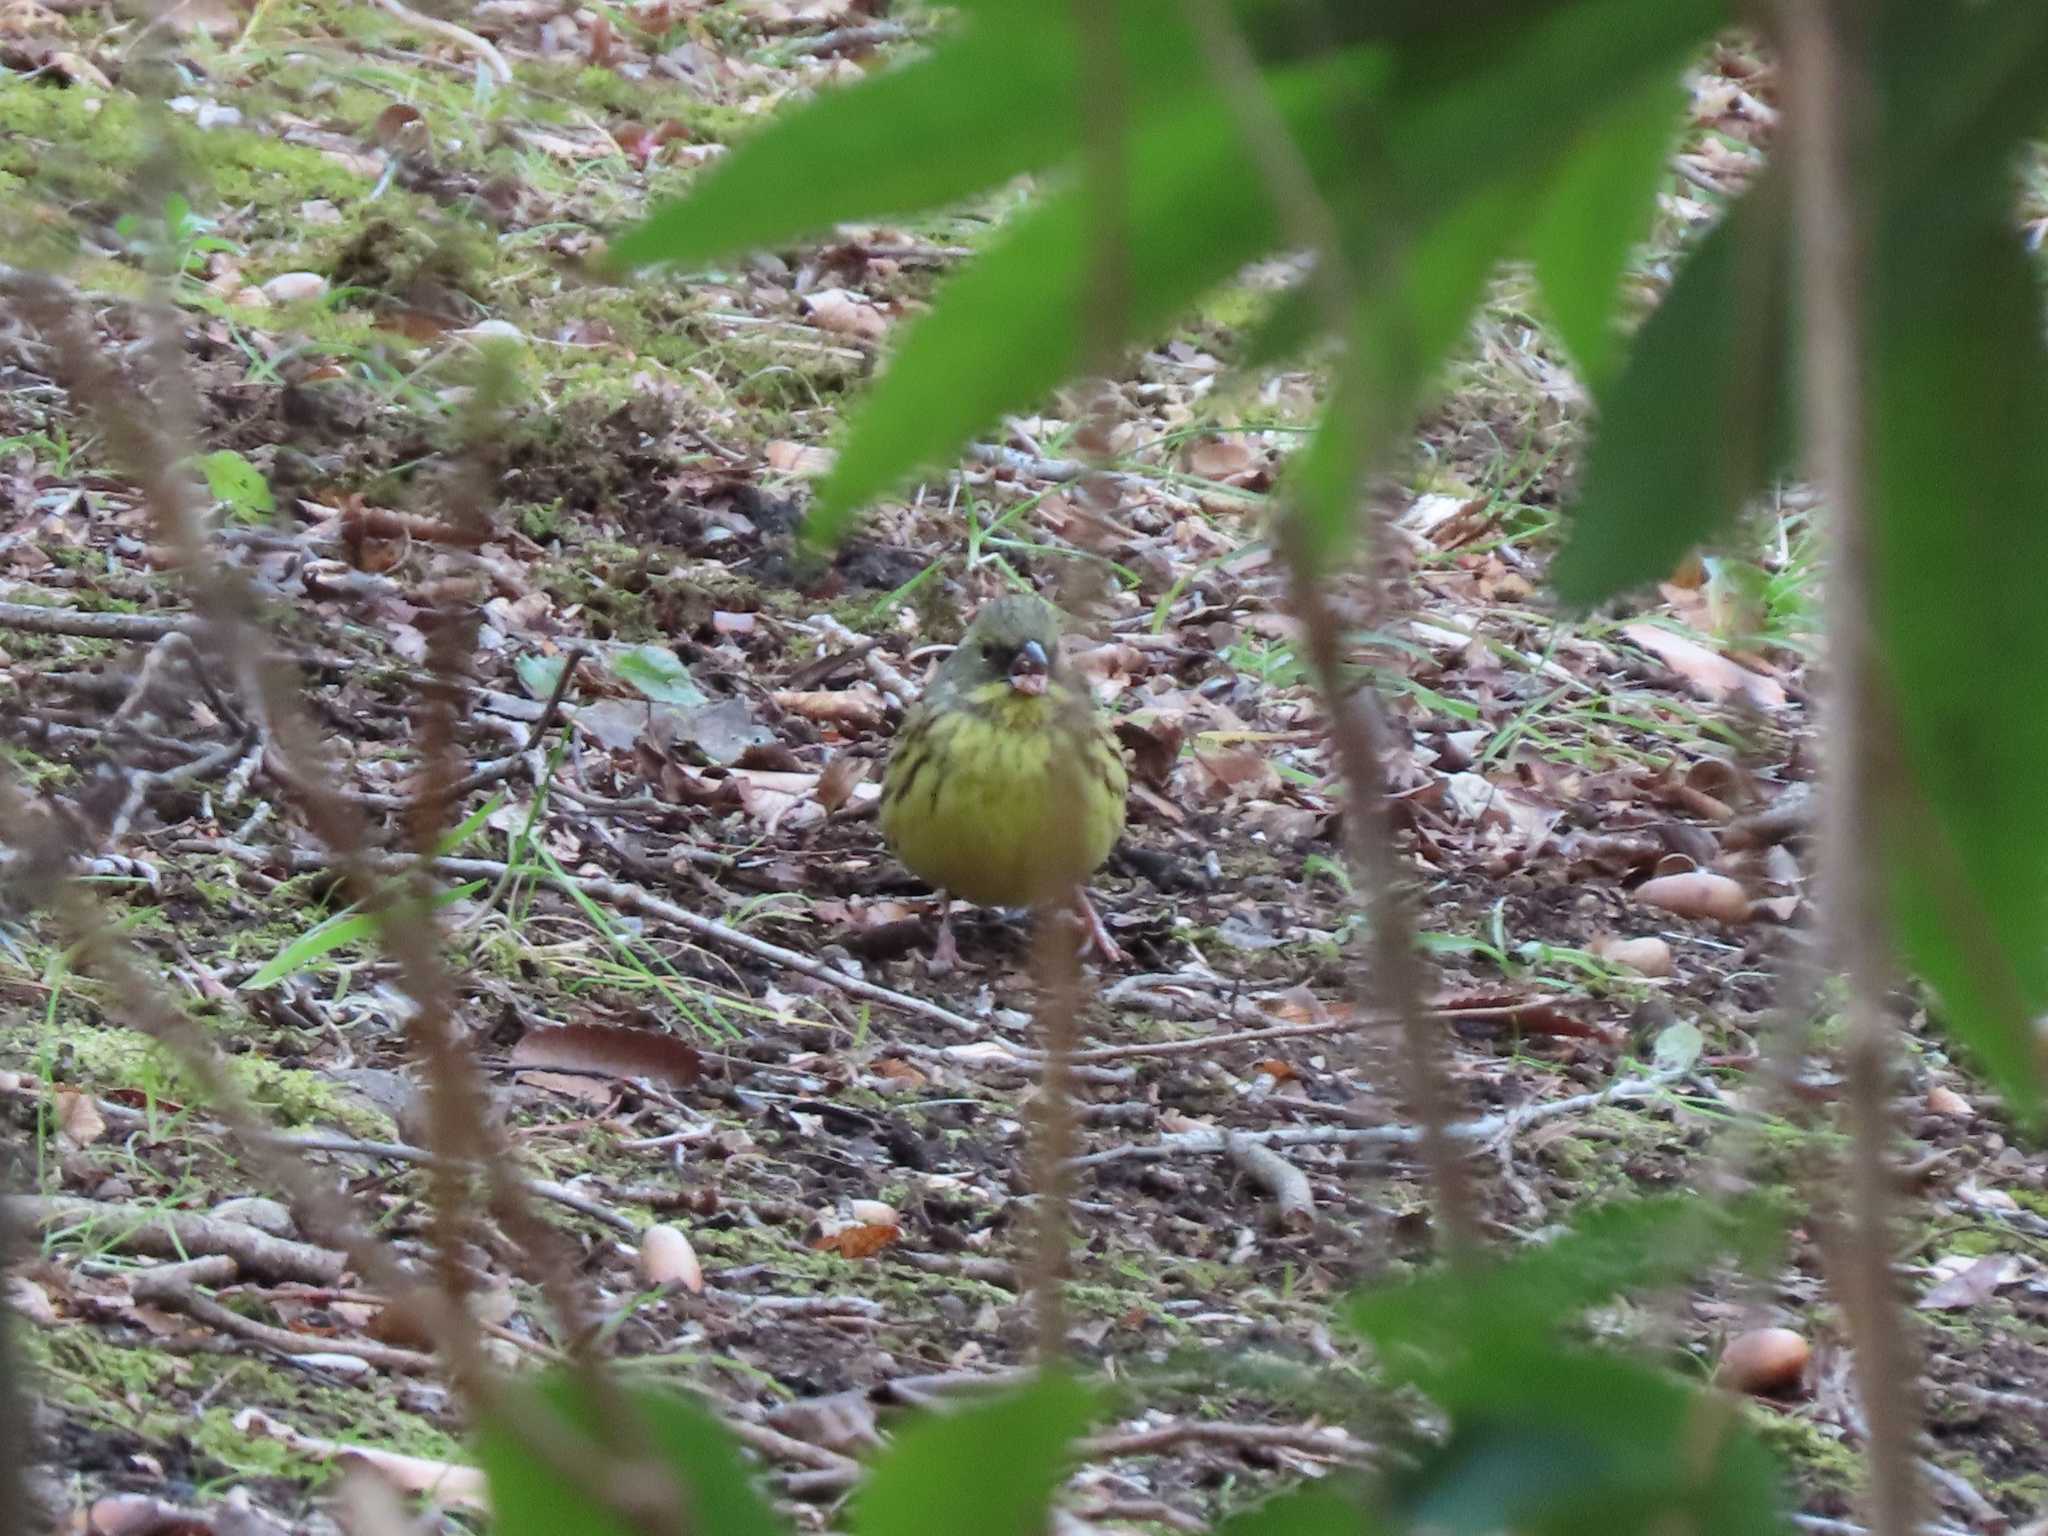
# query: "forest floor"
373,238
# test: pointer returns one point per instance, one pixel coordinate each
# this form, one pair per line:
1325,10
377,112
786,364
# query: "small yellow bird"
1006,786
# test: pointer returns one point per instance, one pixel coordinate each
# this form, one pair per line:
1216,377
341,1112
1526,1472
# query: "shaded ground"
379,242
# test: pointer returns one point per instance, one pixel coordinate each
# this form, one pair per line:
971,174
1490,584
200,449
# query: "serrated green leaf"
1594,213
990,1469
528,1498
659,675
1700,418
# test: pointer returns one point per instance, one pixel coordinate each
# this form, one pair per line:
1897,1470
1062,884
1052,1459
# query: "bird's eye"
992,651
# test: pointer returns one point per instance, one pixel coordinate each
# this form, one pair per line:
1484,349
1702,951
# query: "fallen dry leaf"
1697,893
1712,673
607,1049
862,1242
1646,957
668,1258
846,313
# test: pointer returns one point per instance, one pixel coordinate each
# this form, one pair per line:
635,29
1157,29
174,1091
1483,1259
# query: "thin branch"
1357,727
1828,96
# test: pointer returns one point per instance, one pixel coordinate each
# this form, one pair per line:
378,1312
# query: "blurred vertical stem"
1056,954
1358,727
14,1442
1828,102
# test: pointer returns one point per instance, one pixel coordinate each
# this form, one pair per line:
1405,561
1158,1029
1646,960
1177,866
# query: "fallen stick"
152,1230
1492,1130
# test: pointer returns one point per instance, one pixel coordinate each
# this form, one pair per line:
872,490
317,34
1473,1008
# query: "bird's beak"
1028,671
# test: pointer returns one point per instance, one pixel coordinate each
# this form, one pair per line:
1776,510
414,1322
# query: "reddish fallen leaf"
858,1242
846,313
1946,1101
841,776
611,1049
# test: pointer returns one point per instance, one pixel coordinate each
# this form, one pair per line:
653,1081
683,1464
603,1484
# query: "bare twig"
31,619
462,37
399,1152
1828,96
647,904
1356,726
1490,1132
177,1234
1294,1204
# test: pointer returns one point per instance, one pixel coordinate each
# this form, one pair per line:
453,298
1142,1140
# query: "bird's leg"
1097,937
945,953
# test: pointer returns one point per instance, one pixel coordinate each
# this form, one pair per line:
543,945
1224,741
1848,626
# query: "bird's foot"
1097,940
945,958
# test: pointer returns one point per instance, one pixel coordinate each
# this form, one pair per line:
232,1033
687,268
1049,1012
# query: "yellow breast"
1005,799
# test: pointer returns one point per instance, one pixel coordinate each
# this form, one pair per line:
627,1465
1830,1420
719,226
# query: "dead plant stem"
1828,97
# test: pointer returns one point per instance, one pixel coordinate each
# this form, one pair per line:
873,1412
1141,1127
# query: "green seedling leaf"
530,1498
1699,419
655,671
472,824
540,675
1678,1047
234,481
349,926
1597,209
990,1469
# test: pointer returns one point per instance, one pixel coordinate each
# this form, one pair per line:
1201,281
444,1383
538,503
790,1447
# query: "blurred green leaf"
234,481
1959,443
1593,215
1554,1442
989,1469
1399,335
529,1498
1198,212
1000,98
1426,1329
1315,1510
659,675
1698,420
